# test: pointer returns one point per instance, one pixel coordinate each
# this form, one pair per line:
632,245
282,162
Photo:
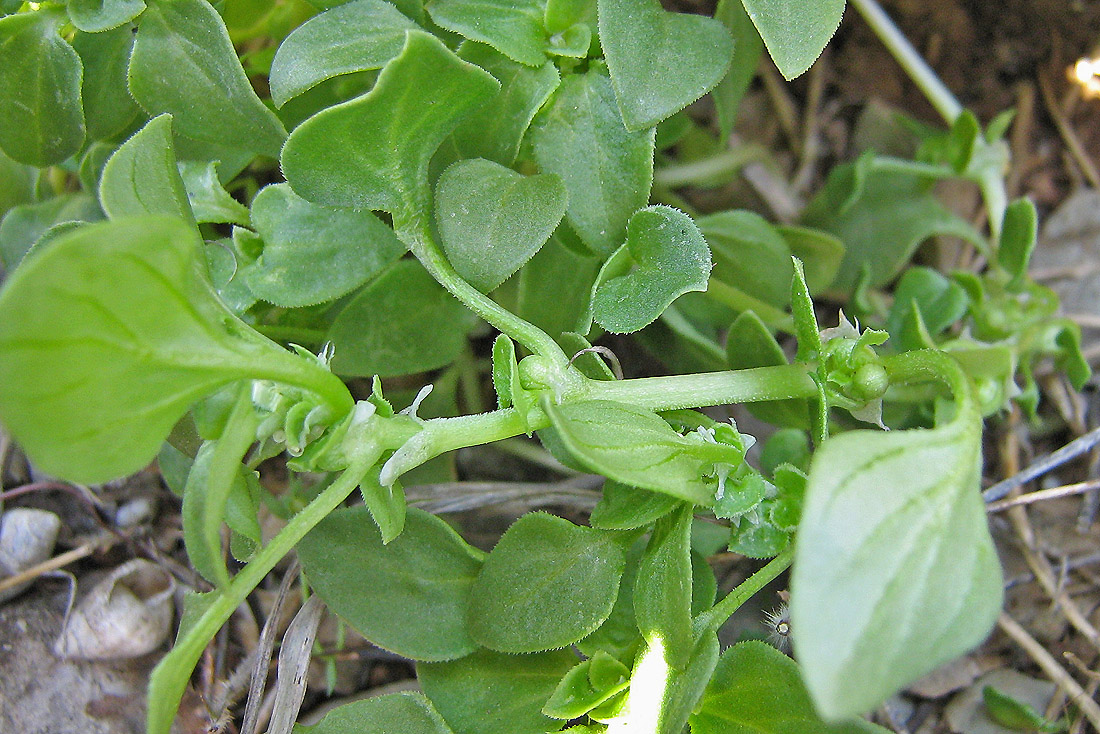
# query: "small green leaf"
494,131
795,31
408,596
312,253
574,42
1018,237
750,254
381,330
492,693
492,220
94,16
408,713
660,62
546,584
758,690
1017,715
142,176
747,49
386,504
662,591
634,446
665,256
820,253
607,170
513,27
25,225
40,73
563,14
184,63
355,36
939,302
109,110
504,366
859,633
209,200
805,319
623,507
373,152
586,686
90,383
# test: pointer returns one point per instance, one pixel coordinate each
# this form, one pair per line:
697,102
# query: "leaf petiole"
713,618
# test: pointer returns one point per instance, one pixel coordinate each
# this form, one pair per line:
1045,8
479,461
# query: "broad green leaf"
546,584
747,49
314,253
894,570
1018,237
660,62
356,36
555,286
94,16
491,219
25,225
381,330
607,170
634,446
750,254
623,507
795,31
142,176
586,686
40,73
495,130
109,110
881,217
758,690
513,27
407,713
492,693
184,63
618,636
90,383
820,253
408,596
16,184
210,202
560,15
373,152
662,591
664,257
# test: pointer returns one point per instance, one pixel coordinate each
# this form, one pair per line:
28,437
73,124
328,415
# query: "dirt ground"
1046,649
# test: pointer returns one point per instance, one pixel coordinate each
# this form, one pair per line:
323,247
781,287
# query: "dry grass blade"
1066,490
1070,451
263,654
294,655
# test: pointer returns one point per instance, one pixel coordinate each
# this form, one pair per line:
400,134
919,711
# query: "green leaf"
184,63
90,383
1017,715
574,42
356,36
16,184
494,131
747,49
94,16
504,366
820,253
491,219
607,170
109,110
142,176
25,225
312,253
408,713
586,686
43,120
513,27
758,690
662,591
546,584
373,152
750,254
1018,237
795,31
881,217
623,507
380,331
408,596
660,62
618,636
555,286
894,569
634,446
492,693
750,344
805,319
939,302
209,200
664,257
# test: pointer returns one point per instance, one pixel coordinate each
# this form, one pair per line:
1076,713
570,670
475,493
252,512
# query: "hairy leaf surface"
142,176
795,31
406,712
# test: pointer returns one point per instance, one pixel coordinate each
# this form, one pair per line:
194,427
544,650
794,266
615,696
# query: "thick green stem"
169,678
715,617
418,236
914,64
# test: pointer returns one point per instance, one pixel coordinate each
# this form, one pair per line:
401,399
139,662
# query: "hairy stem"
715,617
